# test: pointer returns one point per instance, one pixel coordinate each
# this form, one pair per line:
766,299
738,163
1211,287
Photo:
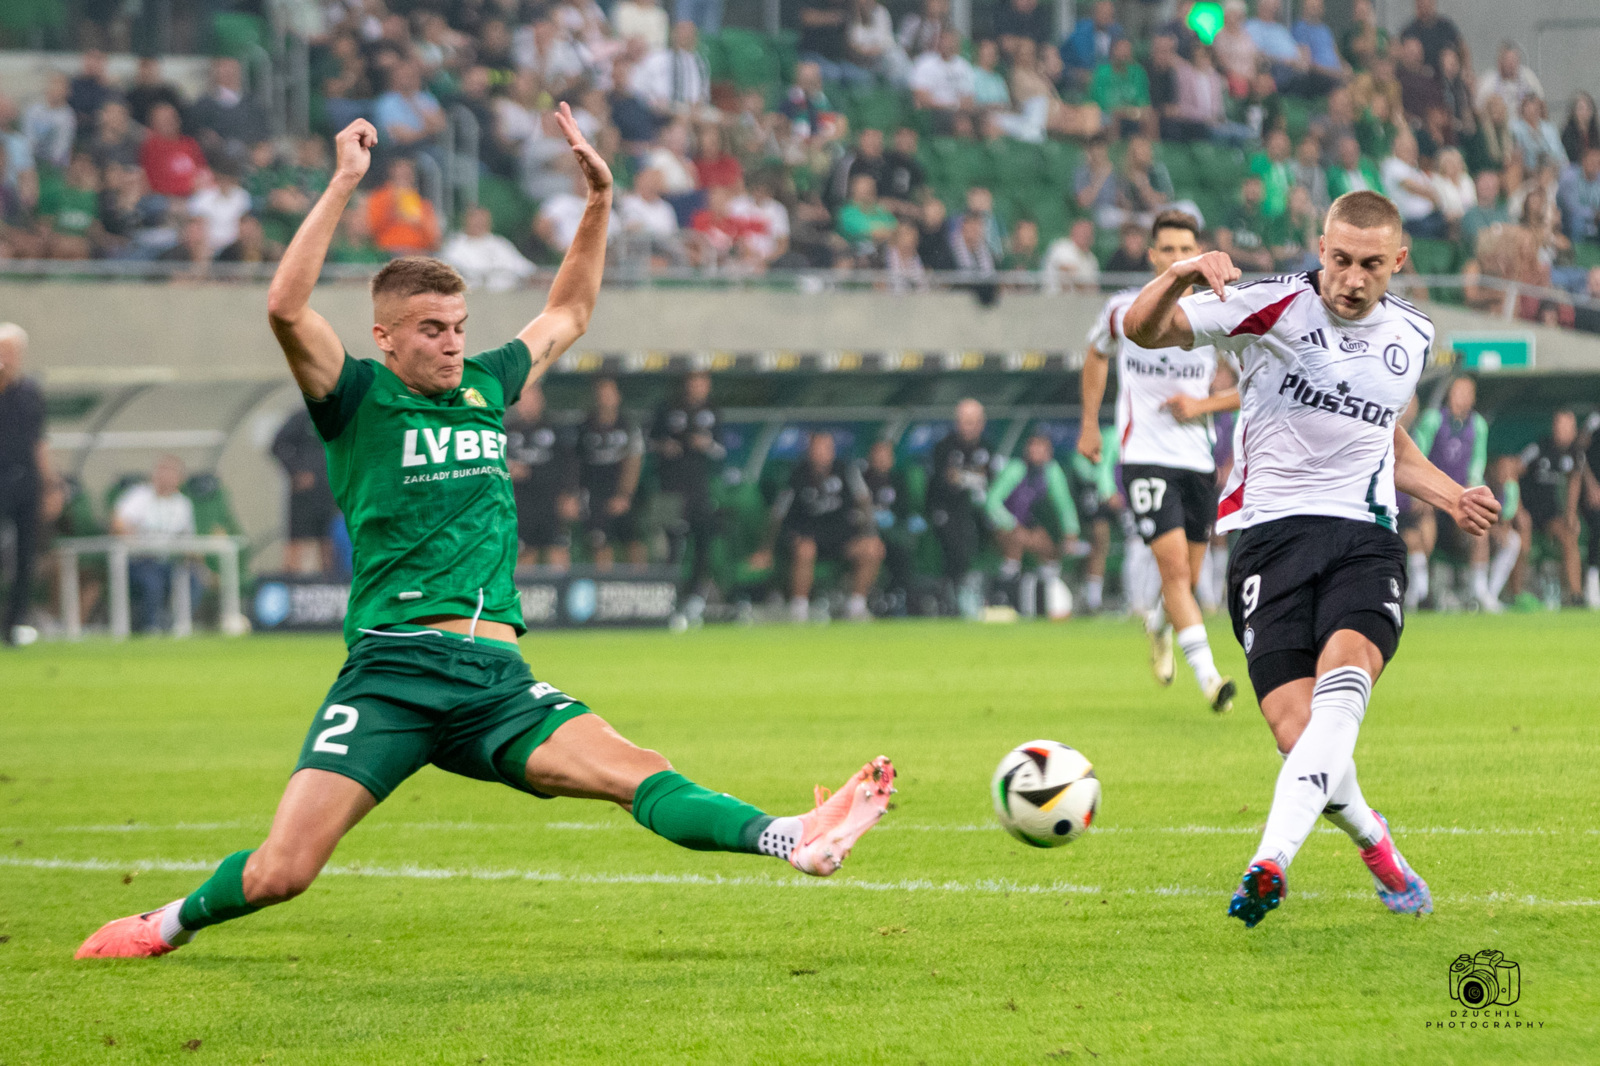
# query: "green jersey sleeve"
1426,429
335,411
1002,487
510,364
1055,480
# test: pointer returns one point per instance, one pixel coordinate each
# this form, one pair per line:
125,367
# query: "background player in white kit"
1316,583
1164,407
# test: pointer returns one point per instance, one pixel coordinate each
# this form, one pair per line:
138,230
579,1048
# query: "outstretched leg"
317,809
585,758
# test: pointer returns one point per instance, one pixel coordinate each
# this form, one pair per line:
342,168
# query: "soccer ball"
1045,793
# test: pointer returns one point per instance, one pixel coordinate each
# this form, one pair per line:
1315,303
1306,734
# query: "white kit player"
1169,475
1317,581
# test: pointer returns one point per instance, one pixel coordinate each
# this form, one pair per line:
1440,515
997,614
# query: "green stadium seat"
1061,159
1105,245
752,60
1018,164
1430,256
1181,166
510,210
1586,254
879,109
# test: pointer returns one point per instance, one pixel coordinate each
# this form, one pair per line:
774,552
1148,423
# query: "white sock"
1049,571
172,931
1197,650
1505,561
799,608
1205,590
856,605
1137,562
1480,581
1156,620
780,837
1094,590
1315,769
1591,581
1010,568
1347,808
1417,572
1219,571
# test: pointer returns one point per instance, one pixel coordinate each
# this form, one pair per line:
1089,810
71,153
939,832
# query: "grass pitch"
466,923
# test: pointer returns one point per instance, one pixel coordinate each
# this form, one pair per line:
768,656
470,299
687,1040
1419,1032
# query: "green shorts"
403,700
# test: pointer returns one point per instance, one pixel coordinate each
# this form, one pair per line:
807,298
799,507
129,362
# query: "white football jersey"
1319,398
1146,379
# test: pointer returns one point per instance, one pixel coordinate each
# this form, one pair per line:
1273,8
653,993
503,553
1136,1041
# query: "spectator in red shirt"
172,162
721,234
715,168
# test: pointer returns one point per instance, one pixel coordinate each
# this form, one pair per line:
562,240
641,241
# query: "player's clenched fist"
1215,270
1476,510
353,148
1089,442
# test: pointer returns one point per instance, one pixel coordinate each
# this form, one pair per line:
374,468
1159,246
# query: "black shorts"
310,513
1164,498
1294,581
1542,508
538,526
603,528
832,538
1092,509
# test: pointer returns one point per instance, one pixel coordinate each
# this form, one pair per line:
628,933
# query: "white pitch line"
587,827
984,886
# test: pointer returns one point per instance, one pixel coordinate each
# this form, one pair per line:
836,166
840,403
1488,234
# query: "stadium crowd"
863,137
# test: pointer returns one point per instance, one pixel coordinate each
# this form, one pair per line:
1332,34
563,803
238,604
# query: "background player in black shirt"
610,452
1550,494
824,513
24,470
958,482
539,457
891,512
689,457
298,450
1589,505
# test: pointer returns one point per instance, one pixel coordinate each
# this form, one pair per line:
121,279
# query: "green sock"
221,898
671,806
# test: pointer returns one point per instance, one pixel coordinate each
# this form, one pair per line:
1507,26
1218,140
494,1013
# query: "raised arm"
577,286
1474,509
314,351
1154,319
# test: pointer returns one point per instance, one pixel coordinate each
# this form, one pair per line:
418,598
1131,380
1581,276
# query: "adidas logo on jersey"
1336,401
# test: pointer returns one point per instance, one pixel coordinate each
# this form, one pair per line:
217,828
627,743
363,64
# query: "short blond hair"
413,275
1364,210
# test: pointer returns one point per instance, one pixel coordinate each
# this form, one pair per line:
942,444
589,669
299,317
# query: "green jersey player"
416,457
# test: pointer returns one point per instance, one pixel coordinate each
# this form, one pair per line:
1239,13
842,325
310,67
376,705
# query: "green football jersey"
423,485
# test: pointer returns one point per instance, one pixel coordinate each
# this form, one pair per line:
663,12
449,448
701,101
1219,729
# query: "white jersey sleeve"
1103,335
1248,311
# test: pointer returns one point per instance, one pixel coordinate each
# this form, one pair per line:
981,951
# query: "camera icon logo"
1487,979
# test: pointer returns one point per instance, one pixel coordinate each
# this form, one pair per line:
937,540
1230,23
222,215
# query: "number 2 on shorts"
1145,494
325,738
